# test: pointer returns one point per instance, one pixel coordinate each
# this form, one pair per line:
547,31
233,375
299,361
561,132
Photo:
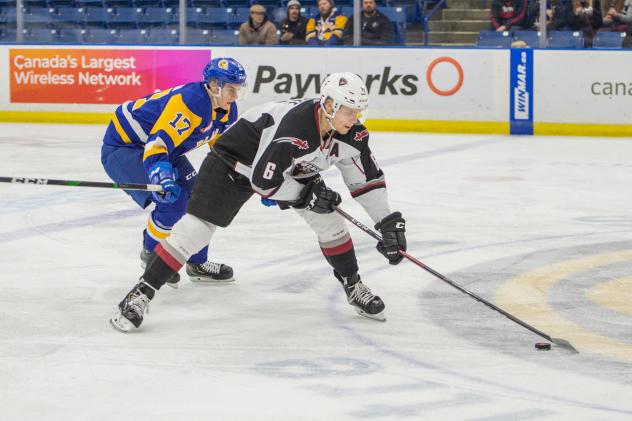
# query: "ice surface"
540,226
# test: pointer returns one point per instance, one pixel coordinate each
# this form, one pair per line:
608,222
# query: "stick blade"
563,343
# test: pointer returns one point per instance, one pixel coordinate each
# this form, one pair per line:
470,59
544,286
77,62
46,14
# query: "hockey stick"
560,342
73,183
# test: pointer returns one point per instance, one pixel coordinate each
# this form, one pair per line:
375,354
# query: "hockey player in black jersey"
277,150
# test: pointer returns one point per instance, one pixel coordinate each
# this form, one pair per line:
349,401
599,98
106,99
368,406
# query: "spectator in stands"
617,15
508,13
258,29
586,18
563,16
375,28
327,27
293,26
532,20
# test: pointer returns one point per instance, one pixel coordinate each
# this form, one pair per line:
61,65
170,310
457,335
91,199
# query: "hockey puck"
543,346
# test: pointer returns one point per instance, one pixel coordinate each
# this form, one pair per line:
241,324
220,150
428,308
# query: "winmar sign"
298,84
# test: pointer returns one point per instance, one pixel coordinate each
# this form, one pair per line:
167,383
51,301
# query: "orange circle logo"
431,84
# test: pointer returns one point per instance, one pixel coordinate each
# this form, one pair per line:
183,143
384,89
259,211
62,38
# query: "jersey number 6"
180,124
269,170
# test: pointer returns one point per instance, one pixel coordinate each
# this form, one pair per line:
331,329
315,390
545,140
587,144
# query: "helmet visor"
232,91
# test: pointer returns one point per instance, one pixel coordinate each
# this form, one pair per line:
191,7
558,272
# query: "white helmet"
344,89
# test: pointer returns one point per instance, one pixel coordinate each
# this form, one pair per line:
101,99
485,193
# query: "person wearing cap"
375,27
258,29
327,27
293,26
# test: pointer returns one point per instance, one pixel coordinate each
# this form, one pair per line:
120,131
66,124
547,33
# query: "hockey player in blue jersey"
146,141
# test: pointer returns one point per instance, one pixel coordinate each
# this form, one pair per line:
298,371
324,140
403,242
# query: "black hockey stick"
560,342
73,183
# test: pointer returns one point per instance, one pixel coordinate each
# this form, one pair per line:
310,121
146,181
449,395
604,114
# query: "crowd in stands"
328,27
319,24
587,17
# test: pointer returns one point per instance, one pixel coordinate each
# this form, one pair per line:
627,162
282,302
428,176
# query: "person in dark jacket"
293,26
586,17
375,28
508,13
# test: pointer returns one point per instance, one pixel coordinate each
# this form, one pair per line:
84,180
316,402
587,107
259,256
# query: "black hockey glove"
317,197
392,228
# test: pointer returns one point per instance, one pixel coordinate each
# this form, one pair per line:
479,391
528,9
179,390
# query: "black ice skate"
360,297
210,272
132,309
144,258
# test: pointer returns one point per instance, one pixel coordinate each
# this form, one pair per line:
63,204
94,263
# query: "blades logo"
299,143
359,137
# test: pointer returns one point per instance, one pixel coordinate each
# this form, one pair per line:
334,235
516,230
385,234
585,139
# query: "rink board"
411,89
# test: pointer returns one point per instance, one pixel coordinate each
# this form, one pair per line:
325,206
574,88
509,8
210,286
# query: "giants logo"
359,137
299,143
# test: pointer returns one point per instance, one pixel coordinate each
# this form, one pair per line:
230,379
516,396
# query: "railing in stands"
425,17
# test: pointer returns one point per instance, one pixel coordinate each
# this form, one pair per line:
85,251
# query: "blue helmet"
224,70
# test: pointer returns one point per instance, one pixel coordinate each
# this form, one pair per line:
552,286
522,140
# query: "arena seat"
566,39
494,39
609,40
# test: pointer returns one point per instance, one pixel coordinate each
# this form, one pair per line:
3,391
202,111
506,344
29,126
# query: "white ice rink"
540,226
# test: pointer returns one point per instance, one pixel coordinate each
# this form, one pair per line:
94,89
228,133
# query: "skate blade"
209,280
120,323
380,317
173,285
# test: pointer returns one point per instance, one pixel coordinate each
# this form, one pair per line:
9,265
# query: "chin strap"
329,117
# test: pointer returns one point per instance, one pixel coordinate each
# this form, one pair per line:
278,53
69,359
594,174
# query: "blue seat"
117,3
89,3
39,17
198,36
10,14
8,36
531,38
494,39
395,14
101,36
61,3
242,14
96,17
41,36
155,16
132,36
124,17
72,36
34,3
609,40
69,17
146,3
224,37
194,14
217,17
207,3
566,39
164,36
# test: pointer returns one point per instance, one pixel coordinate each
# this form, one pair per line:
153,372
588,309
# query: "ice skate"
210,272
144,258
361,298
132,309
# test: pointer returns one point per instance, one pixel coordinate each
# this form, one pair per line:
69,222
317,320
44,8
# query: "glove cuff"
388,218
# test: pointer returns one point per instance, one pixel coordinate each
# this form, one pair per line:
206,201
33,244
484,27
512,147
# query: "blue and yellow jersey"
326,31
170,123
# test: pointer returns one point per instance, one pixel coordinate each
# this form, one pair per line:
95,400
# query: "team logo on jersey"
299,143
359,136
223,64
